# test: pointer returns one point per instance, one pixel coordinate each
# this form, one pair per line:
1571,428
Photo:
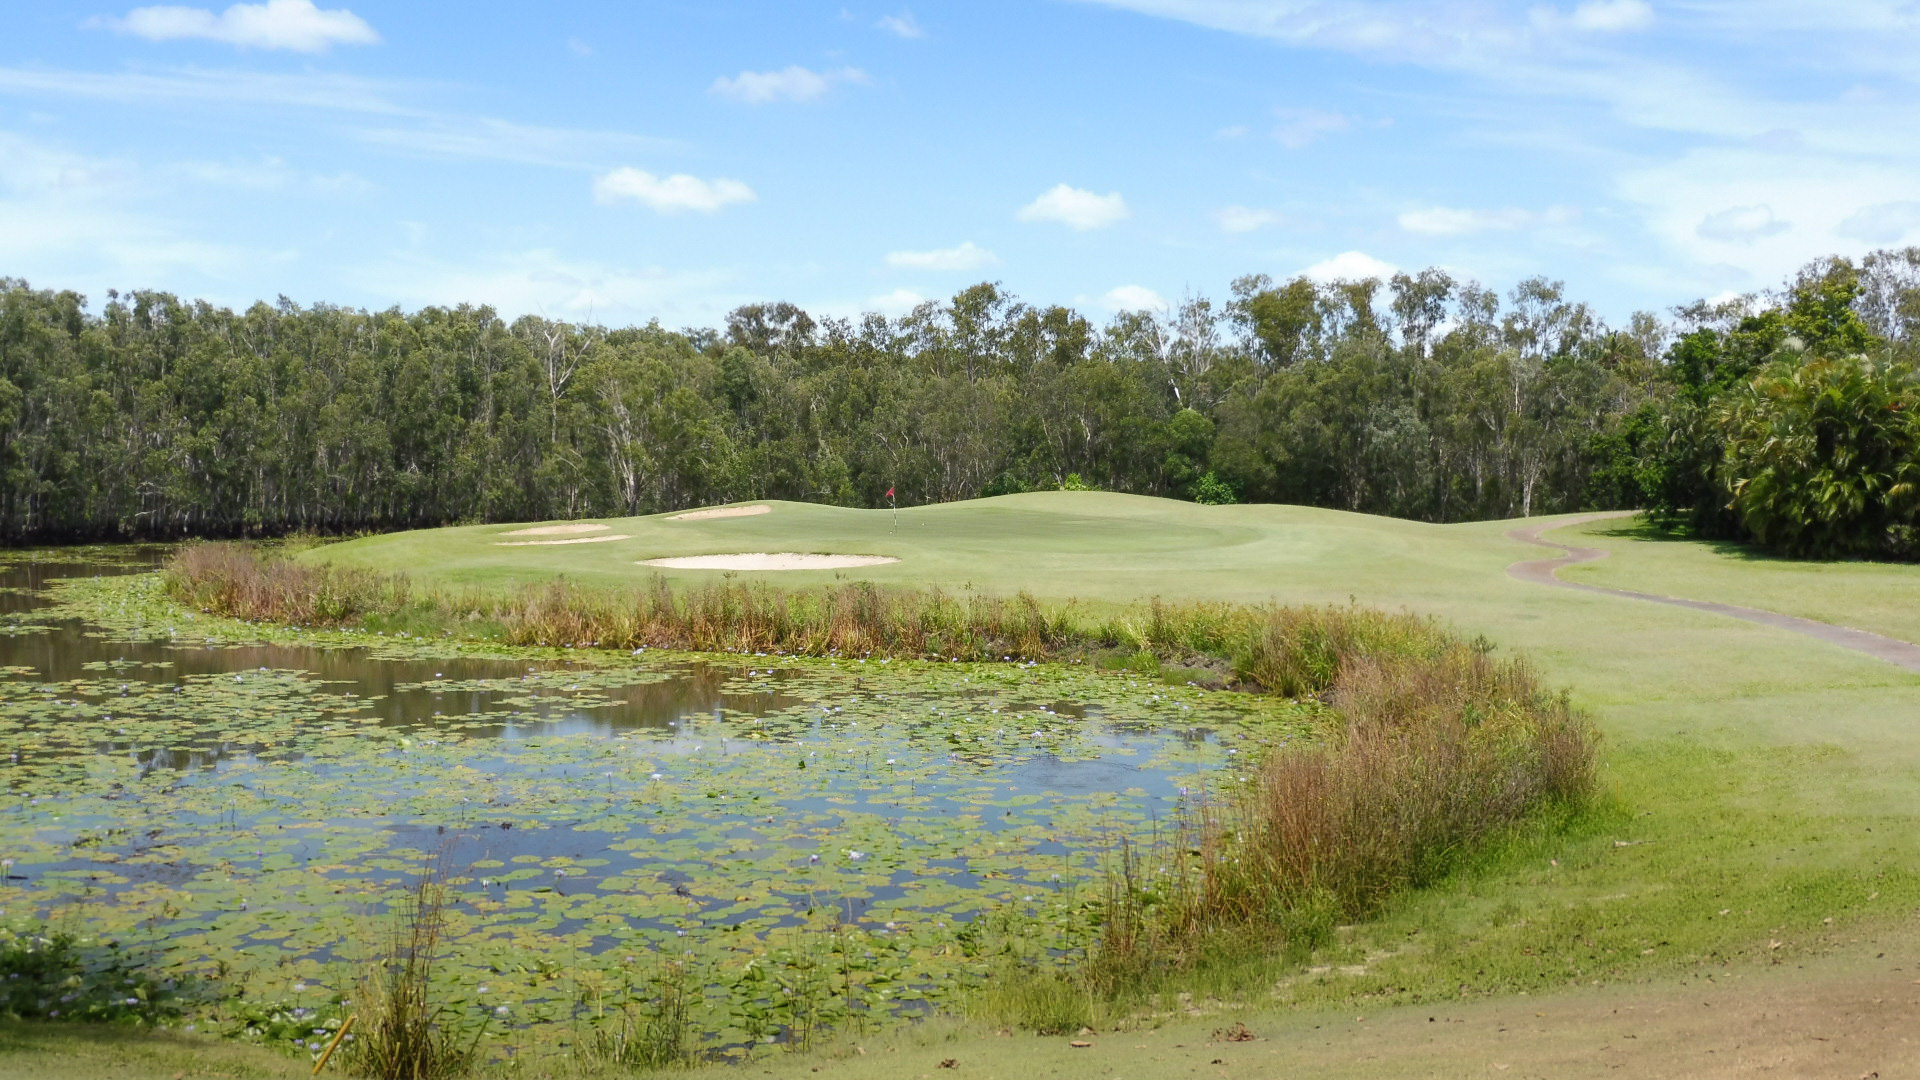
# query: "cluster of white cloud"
1134,298
1451,221
1076,208
793,83
968,256
1596,17
1244,219
1741,225
902,25
896,303
670,194
1350,266
1884,223
295,25
1300,128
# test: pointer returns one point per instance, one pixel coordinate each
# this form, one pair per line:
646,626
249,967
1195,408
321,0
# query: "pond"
249,811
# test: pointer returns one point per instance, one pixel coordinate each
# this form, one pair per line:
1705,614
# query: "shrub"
1211,490
1823,457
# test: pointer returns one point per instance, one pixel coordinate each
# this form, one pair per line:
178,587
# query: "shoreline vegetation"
1432,746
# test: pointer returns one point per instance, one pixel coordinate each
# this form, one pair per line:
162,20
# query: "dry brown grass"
236,580
1433,754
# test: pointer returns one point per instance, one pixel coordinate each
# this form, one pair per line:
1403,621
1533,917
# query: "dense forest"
1424,397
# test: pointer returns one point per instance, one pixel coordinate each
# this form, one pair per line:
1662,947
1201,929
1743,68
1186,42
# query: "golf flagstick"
896,511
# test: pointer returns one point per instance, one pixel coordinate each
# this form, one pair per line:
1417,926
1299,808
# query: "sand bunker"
575,540
761,560
560,530
722,512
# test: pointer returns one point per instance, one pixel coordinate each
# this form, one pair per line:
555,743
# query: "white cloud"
1076,208
277,24
545,282
578,47
483,139
1741,225
342,93
74,221
1299,128
902,25
896,303
1350,266
968,256
1612,16
670,194
1244,219
1133,298
795,83
1449,221
1731,217
1886,223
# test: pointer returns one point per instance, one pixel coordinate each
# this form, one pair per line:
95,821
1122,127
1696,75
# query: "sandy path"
1545,572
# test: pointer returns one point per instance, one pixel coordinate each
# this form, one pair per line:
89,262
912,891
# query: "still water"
252,809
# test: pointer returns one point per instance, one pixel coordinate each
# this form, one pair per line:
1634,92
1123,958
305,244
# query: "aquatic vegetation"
49,974
812,844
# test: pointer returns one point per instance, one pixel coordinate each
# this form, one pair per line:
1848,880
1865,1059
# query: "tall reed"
404,1034
239,581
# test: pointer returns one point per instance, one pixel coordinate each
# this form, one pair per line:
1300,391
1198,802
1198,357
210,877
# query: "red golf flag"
889,493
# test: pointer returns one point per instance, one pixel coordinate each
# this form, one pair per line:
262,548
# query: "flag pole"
895,505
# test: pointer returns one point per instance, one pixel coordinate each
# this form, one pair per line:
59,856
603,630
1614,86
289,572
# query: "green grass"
1758,783
1877,596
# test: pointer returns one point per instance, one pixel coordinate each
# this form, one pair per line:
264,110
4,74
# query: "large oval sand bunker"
722,512
762,560
569,529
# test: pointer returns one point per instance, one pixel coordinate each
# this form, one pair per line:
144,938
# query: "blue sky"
629,161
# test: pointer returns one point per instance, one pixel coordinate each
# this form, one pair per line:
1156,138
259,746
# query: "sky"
629,161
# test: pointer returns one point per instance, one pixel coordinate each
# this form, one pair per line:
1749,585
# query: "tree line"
1425,397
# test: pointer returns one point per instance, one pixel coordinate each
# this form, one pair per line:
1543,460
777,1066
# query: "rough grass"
1434,755
1292,651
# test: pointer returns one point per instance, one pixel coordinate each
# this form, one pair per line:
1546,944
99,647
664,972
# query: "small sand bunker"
722,512
560,530
761,560
575,540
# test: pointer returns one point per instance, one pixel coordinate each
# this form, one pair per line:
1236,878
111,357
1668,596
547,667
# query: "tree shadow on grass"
1641,529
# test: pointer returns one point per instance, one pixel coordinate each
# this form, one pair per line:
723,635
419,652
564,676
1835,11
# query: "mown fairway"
1765,787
